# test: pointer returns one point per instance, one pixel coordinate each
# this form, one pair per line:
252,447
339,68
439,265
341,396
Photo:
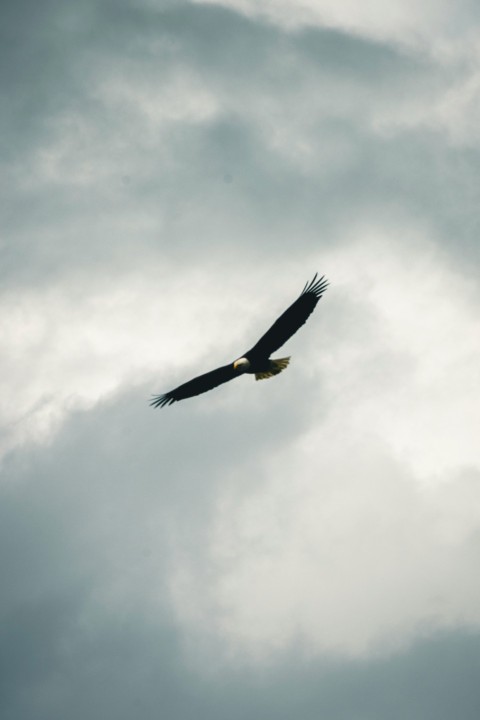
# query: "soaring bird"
256,361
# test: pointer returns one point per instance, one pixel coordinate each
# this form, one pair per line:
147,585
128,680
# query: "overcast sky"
172,174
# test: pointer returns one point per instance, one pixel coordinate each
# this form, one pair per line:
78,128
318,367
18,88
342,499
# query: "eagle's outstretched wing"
291,320
198,385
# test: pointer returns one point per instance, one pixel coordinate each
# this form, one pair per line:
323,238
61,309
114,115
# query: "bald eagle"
256,361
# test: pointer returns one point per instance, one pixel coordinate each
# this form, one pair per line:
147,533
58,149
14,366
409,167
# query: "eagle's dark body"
257,360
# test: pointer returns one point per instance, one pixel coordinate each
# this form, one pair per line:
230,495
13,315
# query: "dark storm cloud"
86,527
87,625
216,184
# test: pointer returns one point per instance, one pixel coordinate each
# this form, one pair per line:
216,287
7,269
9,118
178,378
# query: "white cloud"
74,343
362,533
435,25
418,377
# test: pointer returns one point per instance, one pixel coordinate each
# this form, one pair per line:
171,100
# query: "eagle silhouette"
256,361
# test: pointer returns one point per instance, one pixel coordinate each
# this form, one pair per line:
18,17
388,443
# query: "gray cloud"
87,618
103,130
303,547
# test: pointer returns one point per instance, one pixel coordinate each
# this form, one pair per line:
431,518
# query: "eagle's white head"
241,365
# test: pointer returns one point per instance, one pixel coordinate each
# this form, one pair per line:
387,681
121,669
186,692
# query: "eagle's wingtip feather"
316,287
161,400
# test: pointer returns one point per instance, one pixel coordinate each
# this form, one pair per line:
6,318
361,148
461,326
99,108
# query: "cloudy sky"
172,174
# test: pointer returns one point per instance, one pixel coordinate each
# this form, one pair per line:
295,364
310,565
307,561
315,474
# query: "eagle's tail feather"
276,366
